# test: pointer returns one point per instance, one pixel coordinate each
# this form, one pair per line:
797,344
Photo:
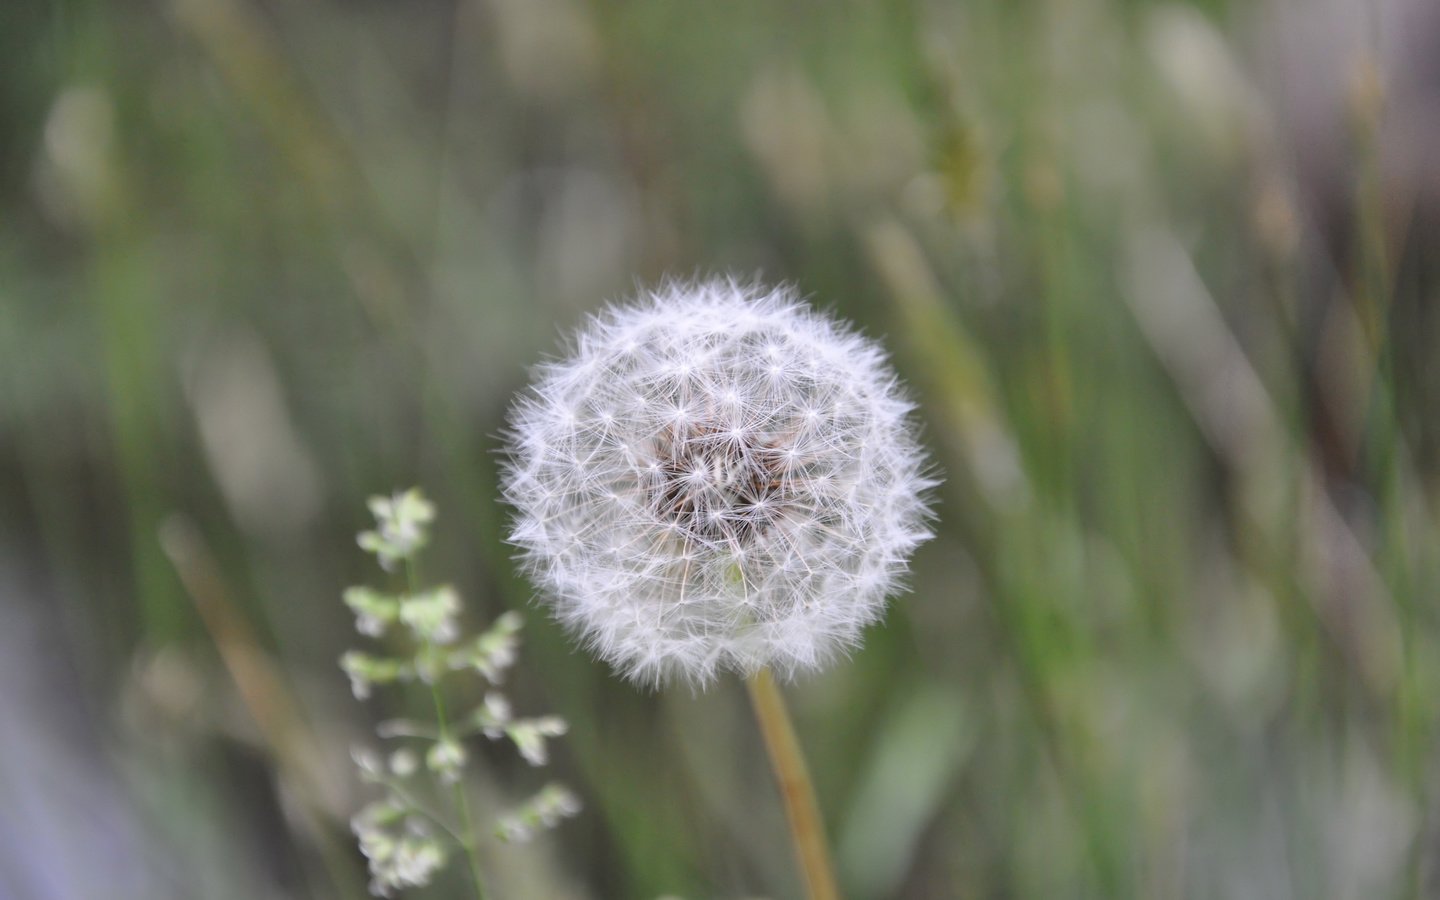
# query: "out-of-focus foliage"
1162,274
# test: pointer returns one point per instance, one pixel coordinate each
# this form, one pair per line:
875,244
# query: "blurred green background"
1165,277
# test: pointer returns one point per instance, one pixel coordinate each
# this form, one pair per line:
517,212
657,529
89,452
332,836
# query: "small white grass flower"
716,478
544,810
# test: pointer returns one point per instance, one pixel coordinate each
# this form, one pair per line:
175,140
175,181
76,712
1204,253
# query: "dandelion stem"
807,830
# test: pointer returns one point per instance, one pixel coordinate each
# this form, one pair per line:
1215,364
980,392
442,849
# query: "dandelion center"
715,485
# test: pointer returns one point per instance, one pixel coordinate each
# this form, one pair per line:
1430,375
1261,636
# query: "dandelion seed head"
717,478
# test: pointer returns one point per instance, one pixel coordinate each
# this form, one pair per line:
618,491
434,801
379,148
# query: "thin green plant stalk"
462,801
807,829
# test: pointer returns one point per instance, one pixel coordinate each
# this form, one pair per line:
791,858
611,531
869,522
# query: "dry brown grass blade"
262,691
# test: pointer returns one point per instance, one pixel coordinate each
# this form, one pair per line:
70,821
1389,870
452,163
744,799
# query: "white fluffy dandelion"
717,477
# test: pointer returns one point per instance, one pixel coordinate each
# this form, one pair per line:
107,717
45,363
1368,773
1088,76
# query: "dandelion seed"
718,478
